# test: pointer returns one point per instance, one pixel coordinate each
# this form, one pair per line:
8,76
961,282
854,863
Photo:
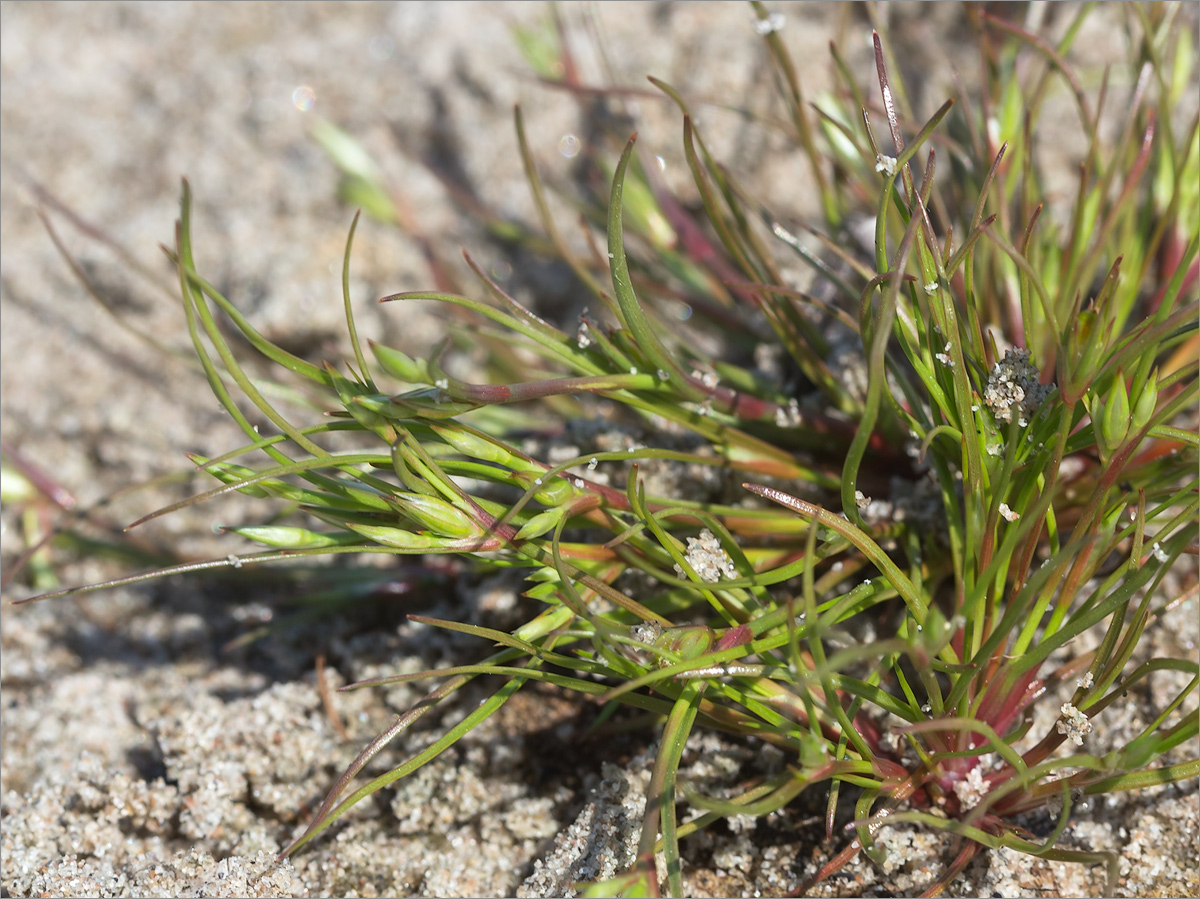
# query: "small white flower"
789,416
772,23
1086,681
592,463
885,165
931,288
861,499
1158,553
1074,724
708,558
442,384
1007,513
646,631
582,337
995,449
1013,386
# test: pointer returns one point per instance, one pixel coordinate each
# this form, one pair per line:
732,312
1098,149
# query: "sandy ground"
141,753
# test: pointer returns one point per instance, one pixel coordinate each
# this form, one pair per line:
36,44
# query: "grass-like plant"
1017,468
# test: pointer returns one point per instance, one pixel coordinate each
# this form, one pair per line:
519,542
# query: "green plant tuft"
981,440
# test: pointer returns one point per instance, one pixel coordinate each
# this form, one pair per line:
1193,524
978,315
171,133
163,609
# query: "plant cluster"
981,438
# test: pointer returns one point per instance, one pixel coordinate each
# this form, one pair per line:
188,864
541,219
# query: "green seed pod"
1147,402
410,469
397,537
688,642
438,515
549,490
376,403
936,632
401,365
1114,420
813,749
364,413
557,492
228,473
281,537
541,523
473,446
